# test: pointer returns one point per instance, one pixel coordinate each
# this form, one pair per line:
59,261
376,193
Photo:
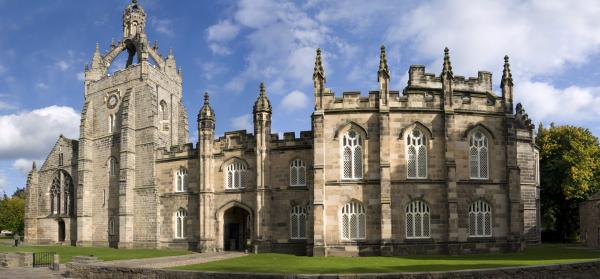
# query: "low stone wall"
17,259
574,270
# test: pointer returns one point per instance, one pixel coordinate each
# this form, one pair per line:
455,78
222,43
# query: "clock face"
112,101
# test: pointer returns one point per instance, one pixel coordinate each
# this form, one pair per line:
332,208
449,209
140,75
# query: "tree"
12,212
570,172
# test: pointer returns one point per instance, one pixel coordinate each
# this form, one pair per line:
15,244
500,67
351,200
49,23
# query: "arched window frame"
163,110
112,228
480,219
111,123
297,173
479,155
416,154
353,222
298,222
352,155
235,175
181,180
55,198
180,219
417,220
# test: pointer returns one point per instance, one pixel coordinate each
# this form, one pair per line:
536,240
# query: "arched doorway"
61,231
236,229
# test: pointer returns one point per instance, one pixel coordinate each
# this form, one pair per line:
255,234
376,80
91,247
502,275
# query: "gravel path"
164,262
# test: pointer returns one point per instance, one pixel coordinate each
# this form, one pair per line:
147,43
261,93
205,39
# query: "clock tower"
128,115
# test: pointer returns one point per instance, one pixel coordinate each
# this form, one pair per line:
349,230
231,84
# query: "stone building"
444,166
589,221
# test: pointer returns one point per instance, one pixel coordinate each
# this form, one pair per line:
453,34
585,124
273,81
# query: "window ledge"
297,240
298,187
481,239
353,241
419,240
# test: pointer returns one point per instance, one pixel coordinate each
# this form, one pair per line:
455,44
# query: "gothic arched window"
235,175
298,217
353,223
164,111
480,219
352,155
112,166
180,217
55,196
418,220
180,180
478,156
416,154
297,173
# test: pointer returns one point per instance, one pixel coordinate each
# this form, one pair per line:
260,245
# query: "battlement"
177,151
235,140
291,141
418,77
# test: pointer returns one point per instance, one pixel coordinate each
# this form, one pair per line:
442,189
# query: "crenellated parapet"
290,141
234,140
176,152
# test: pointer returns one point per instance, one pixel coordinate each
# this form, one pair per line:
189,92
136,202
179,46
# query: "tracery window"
353,221
416,154
180,180
298,218
236,173
480,219
55,196
180,217
418,220
352,156
478,156
297,173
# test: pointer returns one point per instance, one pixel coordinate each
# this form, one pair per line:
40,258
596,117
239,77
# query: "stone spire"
506,74
507,87
33,167
319,72
262,103
206,112
97,57
383,67
447,67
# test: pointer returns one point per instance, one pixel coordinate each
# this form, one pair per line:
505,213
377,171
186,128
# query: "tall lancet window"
352,156
416,154
180,217
111,123
180,180
298,218
478,156
480,219
417,220
353,221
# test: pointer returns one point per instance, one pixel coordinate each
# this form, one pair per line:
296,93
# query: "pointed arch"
478,126
419,125
232,159
416,138
350,125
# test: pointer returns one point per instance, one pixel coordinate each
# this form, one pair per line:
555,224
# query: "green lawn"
107,254
281,263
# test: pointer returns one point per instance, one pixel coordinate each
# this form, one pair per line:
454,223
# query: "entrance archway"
237,227
61,231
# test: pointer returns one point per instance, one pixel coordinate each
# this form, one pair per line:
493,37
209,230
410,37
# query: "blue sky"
228,47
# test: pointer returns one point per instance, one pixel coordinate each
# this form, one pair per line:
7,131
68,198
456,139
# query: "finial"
447,68
383,67
319,71
262,88
206,98
98,47
33,167
506,74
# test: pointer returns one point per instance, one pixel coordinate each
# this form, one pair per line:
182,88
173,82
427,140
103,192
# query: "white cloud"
242,122
62,65
163,26
295,100
42,85
6,106
223,31
31,134
81,76
219,49
211,69
24,165
3,69
574,104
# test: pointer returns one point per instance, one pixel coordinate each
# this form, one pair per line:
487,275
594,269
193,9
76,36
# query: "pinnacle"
206,98
262,88
318,70
506,74
383,67
447,68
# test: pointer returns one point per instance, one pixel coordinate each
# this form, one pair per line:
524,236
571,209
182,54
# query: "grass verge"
282,263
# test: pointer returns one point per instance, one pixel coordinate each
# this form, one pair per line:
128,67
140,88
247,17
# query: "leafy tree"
570,172
12,212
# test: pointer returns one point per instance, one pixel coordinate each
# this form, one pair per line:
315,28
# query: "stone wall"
582,270
588,221
18,259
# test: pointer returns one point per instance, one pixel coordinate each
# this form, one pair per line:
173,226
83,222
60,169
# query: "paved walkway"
31,273
164,262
